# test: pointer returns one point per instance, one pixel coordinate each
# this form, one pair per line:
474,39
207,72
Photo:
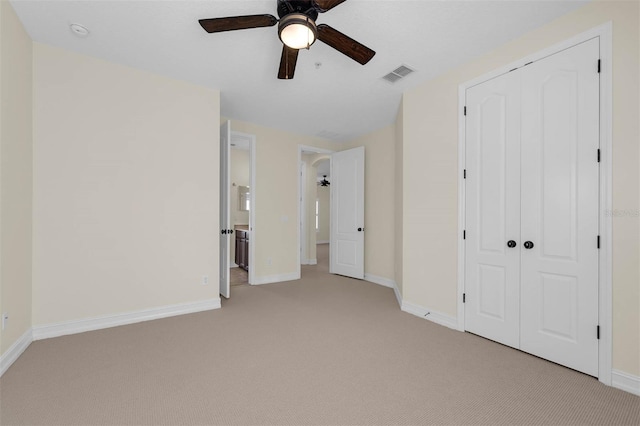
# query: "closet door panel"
560,138
493,209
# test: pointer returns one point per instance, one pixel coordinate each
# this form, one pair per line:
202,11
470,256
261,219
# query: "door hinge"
464,297
464,234
464,174
598,66
465,110
598,155
598,332
598,241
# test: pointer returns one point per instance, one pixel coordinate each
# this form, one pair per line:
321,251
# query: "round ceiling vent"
79,30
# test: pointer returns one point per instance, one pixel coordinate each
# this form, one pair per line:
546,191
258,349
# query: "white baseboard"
309,262
13,353
80,326
269,279
385,282
625,381
396,290
322,242
437,317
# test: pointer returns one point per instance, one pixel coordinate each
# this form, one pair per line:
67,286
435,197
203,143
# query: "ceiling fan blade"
325,5
287,63
216,25
345,44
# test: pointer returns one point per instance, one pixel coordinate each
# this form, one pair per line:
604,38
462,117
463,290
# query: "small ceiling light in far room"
79,30
297,31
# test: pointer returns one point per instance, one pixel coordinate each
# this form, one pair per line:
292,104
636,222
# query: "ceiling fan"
324,181
297,30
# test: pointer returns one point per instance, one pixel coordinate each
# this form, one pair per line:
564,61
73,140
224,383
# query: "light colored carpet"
322,350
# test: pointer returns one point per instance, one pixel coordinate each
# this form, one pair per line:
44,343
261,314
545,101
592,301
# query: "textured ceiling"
340,99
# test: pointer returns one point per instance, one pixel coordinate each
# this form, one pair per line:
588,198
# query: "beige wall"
324,213
379,210
125,188
399,198
429,148
16,185
276,211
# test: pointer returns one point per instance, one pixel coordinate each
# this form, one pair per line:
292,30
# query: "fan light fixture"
324,181
297,31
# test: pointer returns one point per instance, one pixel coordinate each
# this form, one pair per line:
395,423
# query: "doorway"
314,205
237,208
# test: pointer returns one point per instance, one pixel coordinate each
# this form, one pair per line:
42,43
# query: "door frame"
315,150
251,139
604,32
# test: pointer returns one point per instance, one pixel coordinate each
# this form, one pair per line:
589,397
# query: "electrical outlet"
5,320
205,280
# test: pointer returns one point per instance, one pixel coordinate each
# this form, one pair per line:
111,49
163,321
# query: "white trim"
322,242
604,32
107,321
270,279
428,314
625,381
396,290
13,353
462,138
605,306
385,282
302,208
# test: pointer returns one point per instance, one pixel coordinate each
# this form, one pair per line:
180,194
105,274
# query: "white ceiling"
339,100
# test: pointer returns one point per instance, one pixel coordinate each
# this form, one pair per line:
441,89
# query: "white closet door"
493,209
559,286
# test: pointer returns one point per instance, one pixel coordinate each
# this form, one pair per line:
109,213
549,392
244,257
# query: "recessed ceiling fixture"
79,30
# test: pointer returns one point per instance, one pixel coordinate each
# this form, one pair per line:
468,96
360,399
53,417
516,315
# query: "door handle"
224,231
360,229
230,231
511,244
528,245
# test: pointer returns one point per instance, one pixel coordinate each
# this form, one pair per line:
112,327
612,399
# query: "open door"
347,213
225,140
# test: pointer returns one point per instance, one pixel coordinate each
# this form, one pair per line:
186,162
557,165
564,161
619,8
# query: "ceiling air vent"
398,73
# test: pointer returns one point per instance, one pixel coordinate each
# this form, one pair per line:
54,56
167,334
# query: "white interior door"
560,180
304,230
493,210
225,140
347,213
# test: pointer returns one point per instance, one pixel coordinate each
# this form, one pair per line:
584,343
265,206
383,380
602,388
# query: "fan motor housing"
305,7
